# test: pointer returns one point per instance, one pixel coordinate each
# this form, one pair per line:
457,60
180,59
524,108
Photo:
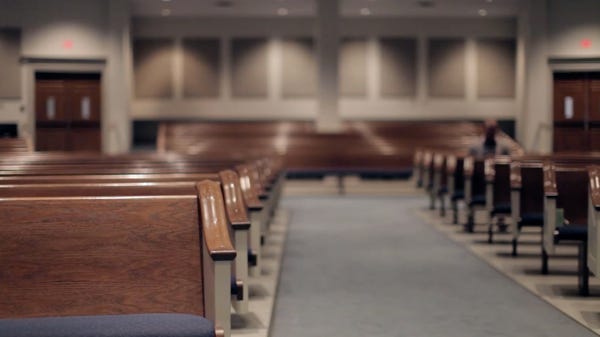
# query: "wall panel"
398,64
299,68
446,67
249,67
353,67
10,67
201,67
496,67
153,66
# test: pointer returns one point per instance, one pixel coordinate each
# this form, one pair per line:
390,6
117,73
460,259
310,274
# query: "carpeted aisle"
367,266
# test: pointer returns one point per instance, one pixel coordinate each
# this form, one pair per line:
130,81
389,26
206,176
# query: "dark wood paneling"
574,88
570,139
51,139
100,256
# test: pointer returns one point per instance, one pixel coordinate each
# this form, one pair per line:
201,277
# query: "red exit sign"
586,43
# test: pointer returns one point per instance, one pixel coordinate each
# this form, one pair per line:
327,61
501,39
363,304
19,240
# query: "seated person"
489,145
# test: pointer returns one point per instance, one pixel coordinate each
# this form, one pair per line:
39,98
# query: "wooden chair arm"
516,181
236,209
550,189
469,165
214,223
594,174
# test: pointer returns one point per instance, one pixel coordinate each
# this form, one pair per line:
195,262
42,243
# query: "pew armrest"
515,177
237,212
550,189
133,325
218,253
214,225
468,167
594,176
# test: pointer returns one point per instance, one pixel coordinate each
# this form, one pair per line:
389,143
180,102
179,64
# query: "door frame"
33,65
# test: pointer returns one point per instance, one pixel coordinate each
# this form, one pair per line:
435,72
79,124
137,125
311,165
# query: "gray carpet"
358,266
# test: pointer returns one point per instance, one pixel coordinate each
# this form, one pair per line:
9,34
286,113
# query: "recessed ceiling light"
365,11
166,0
224,3
482,12
489,1
282,11
425,3
165,12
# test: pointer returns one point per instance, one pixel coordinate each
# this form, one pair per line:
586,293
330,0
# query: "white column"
538,87
116,121
520,94
328,36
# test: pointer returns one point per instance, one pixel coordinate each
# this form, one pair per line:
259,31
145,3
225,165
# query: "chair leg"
454,212
502,226
470,225
442,206
491,233
544,262
514,247
584,273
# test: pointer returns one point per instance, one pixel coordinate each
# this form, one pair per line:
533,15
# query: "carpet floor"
368,266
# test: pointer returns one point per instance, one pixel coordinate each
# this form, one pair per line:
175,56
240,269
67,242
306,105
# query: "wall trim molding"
53,60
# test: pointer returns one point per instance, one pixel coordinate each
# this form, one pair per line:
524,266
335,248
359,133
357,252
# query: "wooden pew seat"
134,259
130,325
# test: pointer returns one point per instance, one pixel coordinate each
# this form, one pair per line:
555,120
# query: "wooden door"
576,112
68,112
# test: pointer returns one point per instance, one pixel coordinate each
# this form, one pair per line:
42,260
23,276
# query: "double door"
577,111
68,112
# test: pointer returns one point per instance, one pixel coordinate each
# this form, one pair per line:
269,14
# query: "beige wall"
368,99
553,30
75,36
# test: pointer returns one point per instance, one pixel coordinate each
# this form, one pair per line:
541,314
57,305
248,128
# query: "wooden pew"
15,145
527,198
593,247
154,174
475,188
361,147
498,202
456,182
566,189
115,251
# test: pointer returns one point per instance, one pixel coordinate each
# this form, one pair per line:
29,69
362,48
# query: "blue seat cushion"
532,220
503,208
571,233
458,194
443,190
477,200
135,325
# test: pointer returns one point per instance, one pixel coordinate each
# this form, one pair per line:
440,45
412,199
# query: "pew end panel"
593,218
218,254
550,196
238,217
120,261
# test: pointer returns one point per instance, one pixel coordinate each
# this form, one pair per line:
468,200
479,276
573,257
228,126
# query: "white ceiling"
441,8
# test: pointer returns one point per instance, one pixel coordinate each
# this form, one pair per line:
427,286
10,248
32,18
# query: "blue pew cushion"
532,219
477,200
571,233
458,194
443,190
134,325
503,208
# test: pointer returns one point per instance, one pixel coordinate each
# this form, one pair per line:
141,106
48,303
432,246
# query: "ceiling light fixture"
165,12
482,12
283,11
365,11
